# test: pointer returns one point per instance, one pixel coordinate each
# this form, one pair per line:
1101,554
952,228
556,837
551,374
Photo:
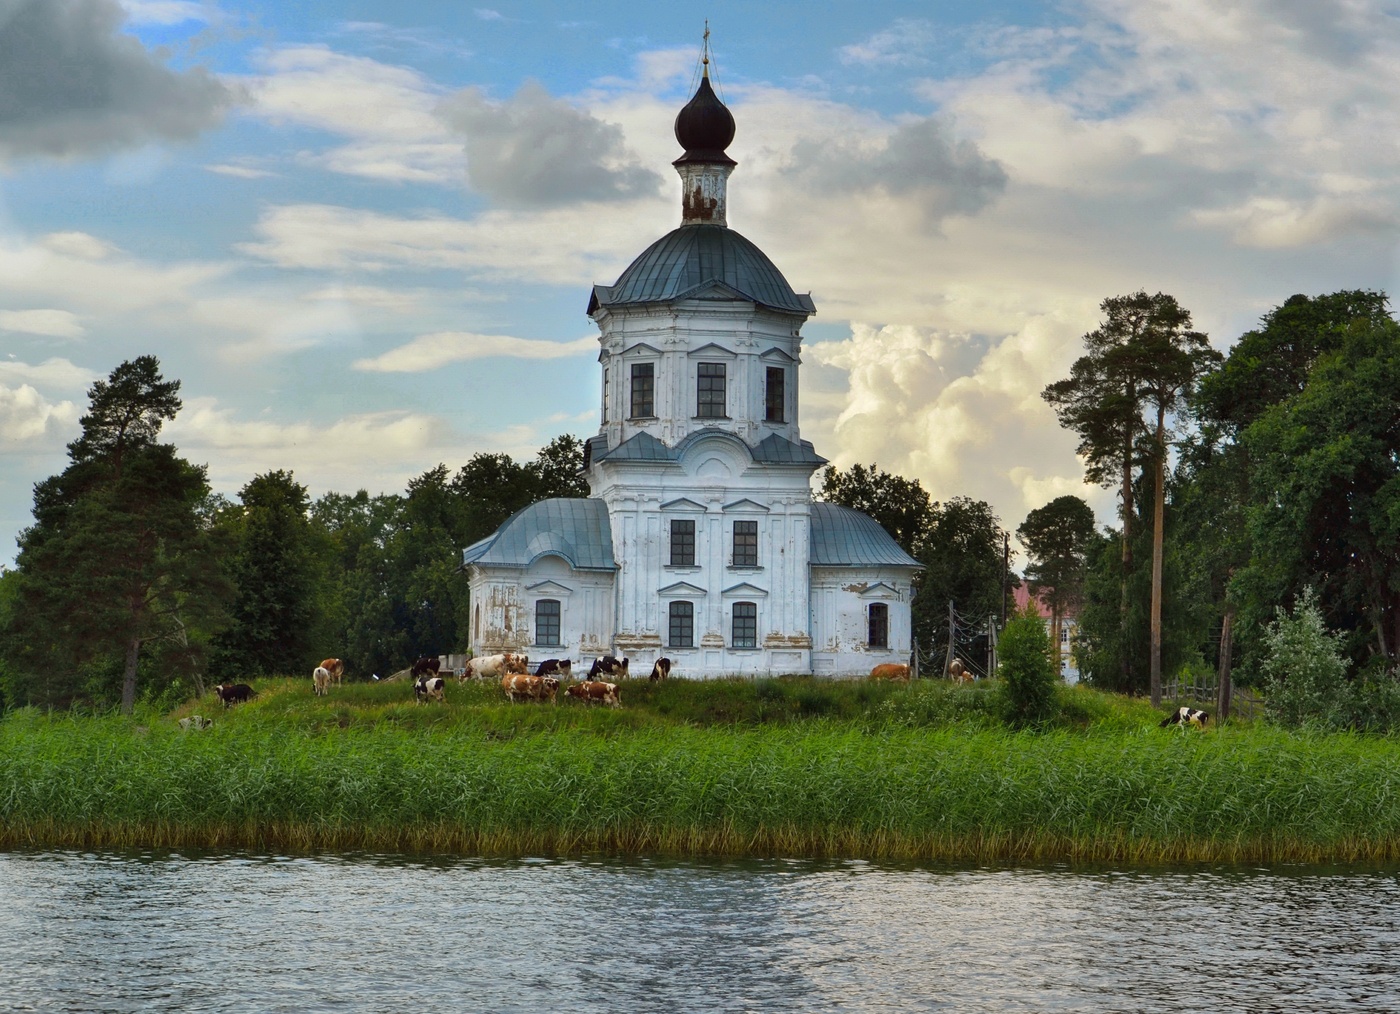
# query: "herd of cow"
513,670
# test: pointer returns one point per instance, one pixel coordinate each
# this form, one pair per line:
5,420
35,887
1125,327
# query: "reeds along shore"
481,778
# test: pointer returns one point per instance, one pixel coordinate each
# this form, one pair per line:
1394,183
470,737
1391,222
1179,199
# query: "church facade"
700,540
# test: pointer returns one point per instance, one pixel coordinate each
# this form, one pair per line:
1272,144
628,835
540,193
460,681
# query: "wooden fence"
1244,703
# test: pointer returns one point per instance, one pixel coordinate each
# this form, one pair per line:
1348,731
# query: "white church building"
700,540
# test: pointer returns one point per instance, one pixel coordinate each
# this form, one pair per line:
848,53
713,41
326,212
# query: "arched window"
547,623
878,617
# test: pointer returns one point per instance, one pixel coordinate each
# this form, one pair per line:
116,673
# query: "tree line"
1258,497
137,582
1254,487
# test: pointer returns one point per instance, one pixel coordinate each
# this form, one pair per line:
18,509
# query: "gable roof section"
574,528
842,537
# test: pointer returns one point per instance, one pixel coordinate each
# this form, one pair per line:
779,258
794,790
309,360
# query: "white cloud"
432,351
961,414
166,12
561,246
903,43
402,140
242,172
51,374
27,418
54,323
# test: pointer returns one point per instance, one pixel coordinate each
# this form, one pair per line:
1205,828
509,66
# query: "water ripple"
156,932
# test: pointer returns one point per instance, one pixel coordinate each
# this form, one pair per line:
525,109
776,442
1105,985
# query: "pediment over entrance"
745,505
745,590
683,590
548,588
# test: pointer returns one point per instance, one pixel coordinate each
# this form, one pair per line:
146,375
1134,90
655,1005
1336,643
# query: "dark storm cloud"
536,151
946,176
71,84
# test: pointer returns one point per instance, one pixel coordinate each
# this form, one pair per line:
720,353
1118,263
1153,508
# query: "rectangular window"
643,390
710,390
775,395
682,632
879,617
682,543
547,622
606,393
745,625
746,543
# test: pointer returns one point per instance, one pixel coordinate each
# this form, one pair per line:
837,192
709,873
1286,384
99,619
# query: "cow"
234,693
335,667
958,673
607,665
488,667
195,722
596,690
533,688
321,681
890,671
661,669
425,666
1184,716
429,688
555,667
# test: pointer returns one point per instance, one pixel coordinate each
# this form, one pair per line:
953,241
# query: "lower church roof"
577,529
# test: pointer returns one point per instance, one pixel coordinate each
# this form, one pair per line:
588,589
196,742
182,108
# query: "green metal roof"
842,537
575,528
692,258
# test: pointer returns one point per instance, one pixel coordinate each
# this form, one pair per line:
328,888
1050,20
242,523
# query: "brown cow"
532,688
958,673
890,671
335,667
596,690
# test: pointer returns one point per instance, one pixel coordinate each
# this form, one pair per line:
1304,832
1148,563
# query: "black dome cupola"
705,126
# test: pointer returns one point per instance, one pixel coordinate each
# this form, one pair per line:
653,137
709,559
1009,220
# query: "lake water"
193,932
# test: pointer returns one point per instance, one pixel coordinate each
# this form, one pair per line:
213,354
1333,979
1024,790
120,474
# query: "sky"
362,233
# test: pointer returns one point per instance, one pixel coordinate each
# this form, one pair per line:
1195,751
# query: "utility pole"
952,639
1005,572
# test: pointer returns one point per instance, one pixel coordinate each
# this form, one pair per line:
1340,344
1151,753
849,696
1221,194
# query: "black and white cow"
429,688
608,666
1184,716
555,667
661,669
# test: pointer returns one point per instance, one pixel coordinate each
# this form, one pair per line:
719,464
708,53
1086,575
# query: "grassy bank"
897,773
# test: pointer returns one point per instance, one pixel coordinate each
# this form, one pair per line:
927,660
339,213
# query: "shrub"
1305,674
1027,670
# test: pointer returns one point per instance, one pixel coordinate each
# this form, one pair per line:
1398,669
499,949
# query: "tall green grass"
379,774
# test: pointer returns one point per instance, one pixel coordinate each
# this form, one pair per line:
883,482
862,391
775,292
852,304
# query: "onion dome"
705,126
